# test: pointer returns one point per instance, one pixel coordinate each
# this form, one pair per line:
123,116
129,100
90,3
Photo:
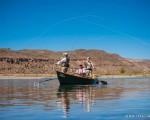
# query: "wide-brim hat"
65,53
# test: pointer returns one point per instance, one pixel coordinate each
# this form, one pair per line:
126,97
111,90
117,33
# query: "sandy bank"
125,76
42,76
26,76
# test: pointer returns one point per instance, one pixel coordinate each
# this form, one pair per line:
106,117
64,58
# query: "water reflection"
63,101
22,92
84,96
68,99
79,94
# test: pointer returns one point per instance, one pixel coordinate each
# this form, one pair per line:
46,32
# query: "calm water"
121,99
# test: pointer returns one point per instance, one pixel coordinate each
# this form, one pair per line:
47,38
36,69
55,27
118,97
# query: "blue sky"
115,26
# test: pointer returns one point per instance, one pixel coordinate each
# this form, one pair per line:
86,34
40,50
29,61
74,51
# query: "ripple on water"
19,99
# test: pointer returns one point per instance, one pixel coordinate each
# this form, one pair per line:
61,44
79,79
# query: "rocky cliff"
42,62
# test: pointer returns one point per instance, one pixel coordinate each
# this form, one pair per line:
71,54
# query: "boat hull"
67,79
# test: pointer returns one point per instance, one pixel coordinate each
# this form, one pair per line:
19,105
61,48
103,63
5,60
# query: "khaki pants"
64,69
89,73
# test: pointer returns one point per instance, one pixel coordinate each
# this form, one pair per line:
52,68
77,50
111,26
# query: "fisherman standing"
64,63
88,67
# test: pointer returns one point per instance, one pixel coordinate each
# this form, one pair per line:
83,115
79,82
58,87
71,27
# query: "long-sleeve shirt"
88,65
62,60
81,70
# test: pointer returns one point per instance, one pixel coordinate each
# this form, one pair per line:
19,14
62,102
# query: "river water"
121,99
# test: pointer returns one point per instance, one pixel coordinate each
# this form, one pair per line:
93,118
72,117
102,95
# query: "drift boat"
68,79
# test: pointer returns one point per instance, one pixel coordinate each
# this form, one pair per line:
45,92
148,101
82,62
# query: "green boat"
68,79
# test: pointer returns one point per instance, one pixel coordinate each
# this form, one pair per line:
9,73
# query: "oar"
103,82
38,83
47,80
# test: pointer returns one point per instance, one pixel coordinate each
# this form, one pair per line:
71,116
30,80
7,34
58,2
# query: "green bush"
121,70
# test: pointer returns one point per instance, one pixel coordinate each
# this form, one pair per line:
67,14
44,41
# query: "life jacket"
66,63
88,65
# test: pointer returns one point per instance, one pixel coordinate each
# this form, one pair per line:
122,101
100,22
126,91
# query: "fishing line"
68,19
62,21
82,18
114,30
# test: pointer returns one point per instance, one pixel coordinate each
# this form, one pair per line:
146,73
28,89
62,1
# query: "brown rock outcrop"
42,62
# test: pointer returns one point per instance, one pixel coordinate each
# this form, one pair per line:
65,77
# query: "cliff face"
42,61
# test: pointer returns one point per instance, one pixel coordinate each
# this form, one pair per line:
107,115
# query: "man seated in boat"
81,71
88,67
64,63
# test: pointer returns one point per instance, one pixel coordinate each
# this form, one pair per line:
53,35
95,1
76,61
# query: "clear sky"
115,26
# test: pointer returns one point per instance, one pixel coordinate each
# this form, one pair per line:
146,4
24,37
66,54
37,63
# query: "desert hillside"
42,62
